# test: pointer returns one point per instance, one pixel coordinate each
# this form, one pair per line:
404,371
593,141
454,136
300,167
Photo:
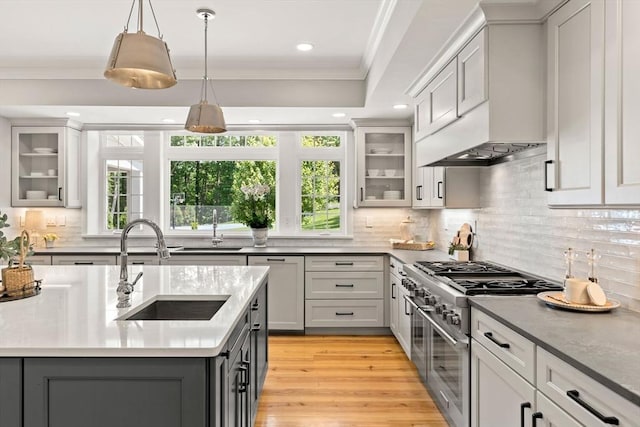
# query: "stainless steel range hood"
471,140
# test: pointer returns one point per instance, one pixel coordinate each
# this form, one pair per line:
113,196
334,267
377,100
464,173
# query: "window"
121,160
199,187
191,175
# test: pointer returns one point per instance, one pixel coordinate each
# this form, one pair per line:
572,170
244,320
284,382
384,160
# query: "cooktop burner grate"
452,267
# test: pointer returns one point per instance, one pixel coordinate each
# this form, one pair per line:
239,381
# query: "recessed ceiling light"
254,121
72,114
338,115
304,47
400,106
168,121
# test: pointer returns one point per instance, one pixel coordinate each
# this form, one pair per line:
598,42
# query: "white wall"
516,228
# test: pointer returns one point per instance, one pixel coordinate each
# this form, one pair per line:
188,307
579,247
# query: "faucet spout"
216,240
124,287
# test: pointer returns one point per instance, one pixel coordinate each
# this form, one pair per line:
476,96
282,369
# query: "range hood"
473,140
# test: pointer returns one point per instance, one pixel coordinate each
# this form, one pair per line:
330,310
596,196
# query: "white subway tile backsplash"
516,228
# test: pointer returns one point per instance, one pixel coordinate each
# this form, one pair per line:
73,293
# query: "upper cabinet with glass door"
45,164
384,166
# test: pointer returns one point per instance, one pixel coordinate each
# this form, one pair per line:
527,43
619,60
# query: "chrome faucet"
216,240
124,287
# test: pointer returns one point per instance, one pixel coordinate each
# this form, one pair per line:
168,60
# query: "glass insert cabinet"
384,166
45,166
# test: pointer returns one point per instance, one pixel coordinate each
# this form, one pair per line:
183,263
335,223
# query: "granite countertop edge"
615,386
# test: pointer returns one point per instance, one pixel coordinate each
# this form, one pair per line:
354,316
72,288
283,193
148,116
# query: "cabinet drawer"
341,263
329,285
555,378
396,267
337,313
83,260
39,260
141,259
510,347
552,415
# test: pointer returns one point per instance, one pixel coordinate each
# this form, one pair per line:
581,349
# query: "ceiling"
366,53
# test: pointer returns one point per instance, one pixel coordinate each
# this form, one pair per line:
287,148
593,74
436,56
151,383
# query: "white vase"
460,255
259,237
48,243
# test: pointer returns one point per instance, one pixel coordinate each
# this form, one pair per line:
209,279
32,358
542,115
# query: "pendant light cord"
206,73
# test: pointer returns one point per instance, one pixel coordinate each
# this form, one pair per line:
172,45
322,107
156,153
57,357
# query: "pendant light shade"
204,117
139,60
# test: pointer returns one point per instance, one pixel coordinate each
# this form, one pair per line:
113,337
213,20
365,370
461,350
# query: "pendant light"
139,60
205,117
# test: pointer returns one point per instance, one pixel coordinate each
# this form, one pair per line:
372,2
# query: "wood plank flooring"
340,381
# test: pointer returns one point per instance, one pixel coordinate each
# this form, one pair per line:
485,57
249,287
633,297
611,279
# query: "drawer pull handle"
489,335
534,418
344,285
275,259
392,265
256,327
255,306
83,263
344,313
393,288
344,263
575,396
546,175
522,408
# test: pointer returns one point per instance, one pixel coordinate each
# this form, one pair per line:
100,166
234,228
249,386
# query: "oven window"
447,365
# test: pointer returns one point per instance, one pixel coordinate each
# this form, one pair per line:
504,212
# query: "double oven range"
441,321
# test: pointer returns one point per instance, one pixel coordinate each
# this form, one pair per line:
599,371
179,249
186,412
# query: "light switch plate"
61,220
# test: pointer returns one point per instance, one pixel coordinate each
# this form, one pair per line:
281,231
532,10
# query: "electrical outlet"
367,222
61,221
51,221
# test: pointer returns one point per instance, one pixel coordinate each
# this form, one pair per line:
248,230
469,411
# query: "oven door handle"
454,342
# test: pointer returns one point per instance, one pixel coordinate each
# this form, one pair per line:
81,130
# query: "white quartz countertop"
74,316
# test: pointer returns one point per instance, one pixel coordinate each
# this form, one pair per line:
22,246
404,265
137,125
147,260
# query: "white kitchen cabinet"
472,73
205,260
458,88
404,321
500,93
383,158
437,104
83,259
285,291
549,414
39,260
581,396
575,76
394,283
450,187
499,396
138,259
344,291
399,321
45,166
622,105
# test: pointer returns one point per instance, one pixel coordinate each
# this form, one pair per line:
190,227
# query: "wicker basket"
18,280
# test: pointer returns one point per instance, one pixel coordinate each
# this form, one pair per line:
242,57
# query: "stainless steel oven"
441,323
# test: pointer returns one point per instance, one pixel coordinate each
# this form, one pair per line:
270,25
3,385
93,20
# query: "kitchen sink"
178,309
209,249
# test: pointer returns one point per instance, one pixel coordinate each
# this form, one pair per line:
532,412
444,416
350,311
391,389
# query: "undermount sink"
209,249
178,309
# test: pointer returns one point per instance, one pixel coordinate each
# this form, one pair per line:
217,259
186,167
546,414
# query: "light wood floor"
339,381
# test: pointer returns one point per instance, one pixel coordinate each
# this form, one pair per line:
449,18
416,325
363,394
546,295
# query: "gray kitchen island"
69,358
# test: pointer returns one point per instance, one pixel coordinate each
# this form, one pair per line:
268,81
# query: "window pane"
123,192
223,141
320,195
199,187
320,141
128,140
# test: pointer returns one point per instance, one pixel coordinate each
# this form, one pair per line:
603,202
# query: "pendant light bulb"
139,60
204,117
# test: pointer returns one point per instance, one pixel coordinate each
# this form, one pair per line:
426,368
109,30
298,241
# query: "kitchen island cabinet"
79,365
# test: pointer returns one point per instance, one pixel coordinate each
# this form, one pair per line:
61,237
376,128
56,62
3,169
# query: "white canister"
575,291
52,172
